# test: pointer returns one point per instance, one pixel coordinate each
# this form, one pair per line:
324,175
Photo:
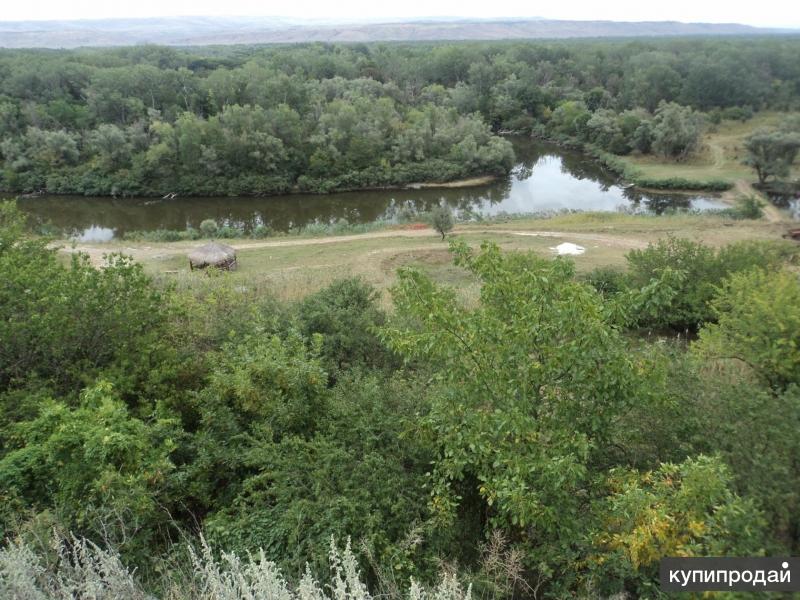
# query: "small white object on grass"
568,248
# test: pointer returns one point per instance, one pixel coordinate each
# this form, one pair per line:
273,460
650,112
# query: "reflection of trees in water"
658,203
282,213
580,166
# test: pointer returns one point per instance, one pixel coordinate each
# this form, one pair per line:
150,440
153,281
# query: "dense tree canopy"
260,120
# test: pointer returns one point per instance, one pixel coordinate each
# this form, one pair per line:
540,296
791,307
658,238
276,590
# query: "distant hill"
192,31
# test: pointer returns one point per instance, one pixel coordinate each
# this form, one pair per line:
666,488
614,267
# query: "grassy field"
720,157
289,269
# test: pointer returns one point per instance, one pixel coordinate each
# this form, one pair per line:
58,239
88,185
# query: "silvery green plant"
84,571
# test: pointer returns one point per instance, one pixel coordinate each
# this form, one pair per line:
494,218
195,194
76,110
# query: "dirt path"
745,188
742,187
145,252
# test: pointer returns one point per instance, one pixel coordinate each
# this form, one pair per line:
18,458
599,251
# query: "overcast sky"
779,13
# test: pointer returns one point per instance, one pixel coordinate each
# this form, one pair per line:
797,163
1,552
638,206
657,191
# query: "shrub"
84,570
696,271
261,232
681,183
747,207
696,263
758,325
229,231
608,280
442,219
663,513
66,324
345,313
209,227
737,113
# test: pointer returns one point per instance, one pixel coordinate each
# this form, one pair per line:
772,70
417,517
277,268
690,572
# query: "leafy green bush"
304,489
747,207
104,472
609,281
514,443
262,231
209,228
738,113
667,512
698,270
697,265
66,325
162,235
758,315
680,183
346,314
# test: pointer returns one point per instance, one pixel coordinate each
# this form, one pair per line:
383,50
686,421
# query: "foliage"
524,411
345,313
65,325
86,570
679,183
771,153
682,509
758,314
303,489
100,470
693,271
676,130
209,227
747,207
442,219
259,120
538,411
755,431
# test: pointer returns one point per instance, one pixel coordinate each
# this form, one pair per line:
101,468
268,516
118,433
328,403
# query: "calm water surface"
546,179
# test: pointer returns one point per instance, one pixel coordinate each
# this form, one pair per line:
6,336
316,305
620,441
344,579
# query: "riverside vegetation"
534,441
266,120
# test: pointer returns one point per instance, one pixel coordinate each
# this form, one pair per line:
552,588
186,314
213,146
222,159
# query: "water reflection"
546,179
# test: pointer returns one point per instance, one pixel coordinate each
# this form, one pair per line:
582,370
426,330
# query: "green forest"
553,435
318,118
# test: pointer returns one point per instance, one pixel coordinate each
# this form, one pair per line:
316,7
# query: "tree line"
319,117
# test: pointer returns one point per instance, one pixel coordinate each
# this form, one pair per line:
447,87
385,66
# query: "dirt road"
152,251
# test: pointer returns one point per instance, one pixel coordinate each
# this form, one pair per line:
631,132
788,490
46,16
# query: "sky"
775,13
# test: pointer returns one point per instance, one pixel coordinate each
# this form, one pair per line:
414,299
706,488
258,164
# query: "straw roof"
211,255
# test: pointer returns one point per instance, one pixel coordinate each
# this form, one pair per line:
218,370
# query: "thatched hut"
213,255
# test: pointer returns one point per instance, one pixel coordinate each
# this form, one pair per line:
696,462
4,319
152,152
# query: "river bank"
547,179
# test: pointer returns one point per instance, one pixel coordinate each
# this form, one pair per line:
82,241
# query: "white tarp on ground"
568,248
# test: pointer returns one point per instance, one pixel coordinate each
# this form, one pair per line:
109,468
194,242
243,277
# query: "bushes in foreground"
78,569
534,411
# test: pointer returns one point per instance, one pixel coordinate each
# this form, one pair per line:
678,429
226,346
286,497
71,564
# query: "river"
546,179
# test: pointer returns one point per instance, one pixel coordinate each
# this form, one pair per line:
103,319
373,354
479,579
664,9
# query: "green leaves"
674,280
531,381
100,470
758,325
684,509
771,153
66,325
